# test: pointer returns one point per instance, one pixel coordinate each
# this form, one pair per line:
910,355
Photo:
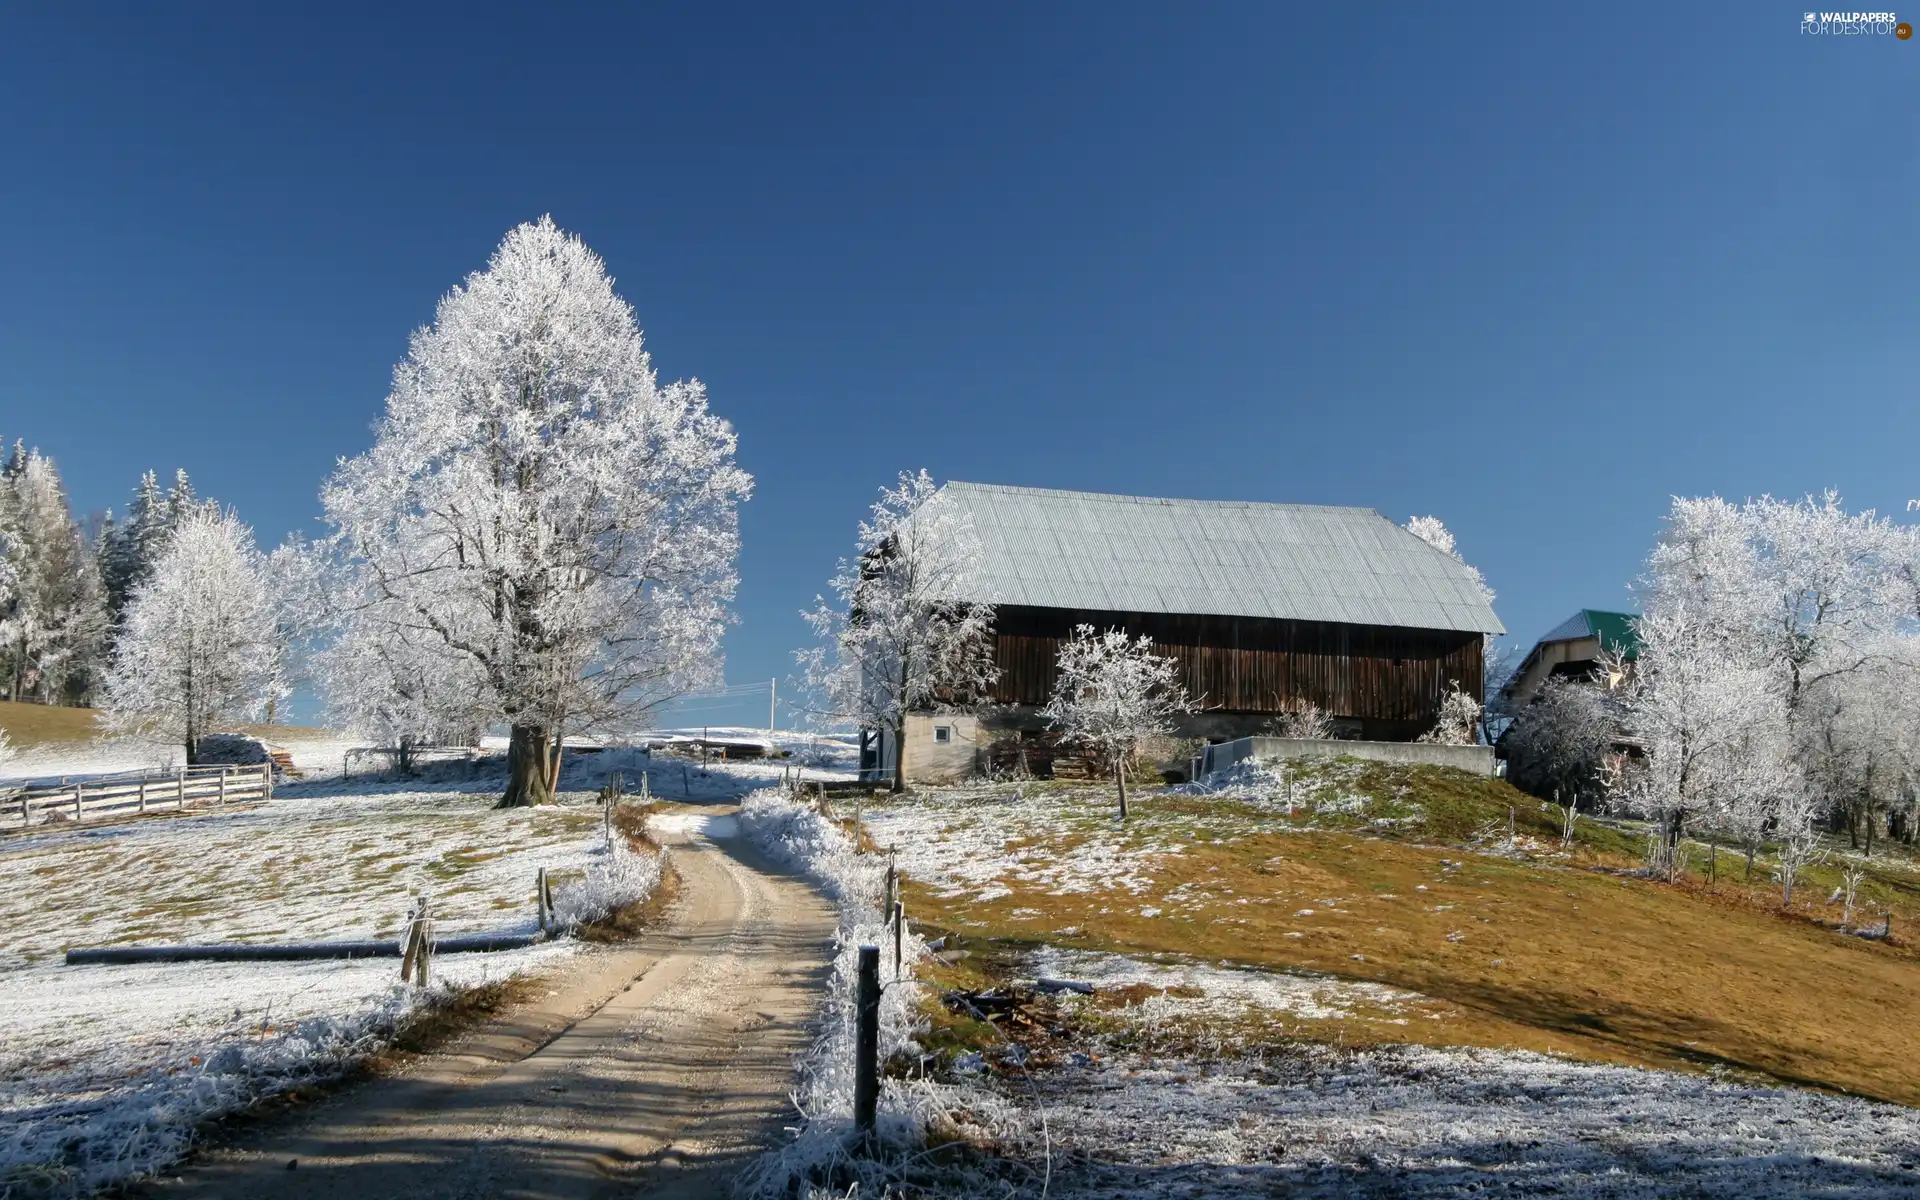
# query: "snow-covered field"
104,1070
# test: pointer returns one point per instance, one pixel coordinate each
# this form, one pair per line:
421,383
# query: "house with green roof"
1571,649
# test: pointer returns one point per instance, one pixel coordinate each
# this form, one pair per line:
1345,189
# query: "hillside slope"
1448,887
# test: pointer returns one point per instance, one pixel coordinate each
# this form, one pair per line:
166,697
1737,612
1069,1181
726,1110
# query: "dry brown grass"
32,725
29,725
1576,958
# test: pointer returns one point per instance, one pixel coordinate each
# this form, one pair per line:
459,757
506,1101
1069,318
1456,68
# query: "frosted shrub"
621,877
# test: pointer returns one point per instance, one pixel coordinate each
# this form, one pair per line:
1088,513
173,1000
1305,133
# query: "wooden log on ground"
472,943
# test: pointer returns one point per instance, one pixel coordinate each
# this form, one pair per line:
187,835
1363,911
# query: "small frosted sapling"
1112,694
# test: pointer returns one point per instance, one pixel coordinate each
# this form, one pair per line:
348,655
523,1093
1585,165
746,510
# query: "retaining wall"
1477,759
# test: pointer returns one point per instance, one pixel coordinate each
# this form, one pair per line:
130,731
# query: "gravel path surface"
653,1070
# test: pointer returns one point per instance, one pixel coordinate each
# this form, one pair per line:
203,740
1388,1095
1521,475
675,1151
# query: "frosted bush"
621,877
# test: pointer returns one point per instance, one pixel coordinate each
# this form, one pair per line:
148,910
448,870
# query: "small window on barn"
942,734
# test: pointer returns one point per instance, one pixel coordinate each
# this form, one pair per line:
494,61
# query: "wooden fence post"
223,787
180,788
143,793
266,780
79,790
425,950
899,933
542,899
866,1066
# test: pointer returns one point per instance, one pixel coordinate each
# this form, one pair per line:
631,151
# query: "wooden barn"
1268,607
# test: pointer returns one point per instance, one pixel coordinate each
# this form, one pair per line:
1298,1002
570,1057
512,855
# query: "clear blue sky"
1530,269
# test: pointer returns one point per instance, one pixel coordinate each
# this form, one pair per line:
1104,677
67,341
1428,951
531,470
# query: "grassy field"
31,726
1408,877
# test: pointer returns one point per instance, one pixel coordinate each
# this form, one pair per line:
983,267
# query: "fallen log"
1062,985
473,943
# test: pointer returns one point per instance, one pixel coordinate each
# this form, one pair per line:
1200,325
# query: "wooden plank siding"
1258,664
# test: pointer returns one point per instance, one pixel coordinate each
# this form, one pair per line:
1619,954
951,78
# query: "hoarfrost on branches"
1111,693
1310,723
1557,746
52,619
200,644
1458,719
909,630
540,523
1495,665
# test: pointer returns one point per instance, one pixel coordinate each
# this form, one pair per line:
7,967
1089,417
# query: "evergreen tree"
181,502
53,626
127,557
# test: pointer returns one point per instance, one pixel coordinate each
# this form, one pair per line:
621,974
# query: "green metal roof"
1616,630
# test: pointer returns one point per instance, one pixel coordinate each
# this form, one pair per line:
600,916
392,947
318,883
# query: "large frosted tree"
908,630
200,644
539,518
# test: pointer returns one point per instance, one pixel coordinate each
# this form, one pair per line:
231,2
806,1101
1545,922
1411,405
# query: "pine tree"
181,501
128,557
52,630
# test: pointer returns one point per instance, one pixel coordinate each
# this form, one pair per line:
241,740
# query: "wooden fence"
119,795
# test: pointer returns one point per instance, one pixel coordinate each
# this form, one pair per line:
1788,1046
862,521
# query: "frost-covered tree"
200,644
538,514
1859,739
127,553
1798,841
182,504
52,626
1496,660
397,687
1702,711
1557,746
909,630
1804,587
1805,602
1111,694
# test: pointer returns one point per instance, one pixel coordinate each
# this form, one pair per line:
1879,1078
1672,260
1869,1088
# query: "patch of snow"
1416,1121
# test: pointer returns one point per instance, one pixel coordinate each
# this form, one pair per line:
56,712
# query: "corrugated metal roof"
1615,630
1304,562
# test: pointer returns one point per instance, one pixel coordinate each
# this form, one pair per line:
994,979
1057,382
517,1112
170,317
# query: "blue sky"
1533,271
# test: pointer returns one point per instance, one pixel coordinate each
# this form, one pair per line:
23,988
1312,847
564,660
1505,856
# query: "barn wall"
1382,676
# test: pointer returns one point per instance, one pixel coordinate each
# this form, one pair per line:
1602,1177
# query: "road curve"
655,1072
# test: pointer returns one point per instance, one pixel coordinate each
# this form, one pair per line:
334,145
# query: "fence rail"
116,795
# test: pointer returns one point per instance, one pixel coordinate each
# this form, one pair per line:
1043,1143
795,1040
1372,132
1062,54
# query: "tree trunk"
1120,781
529,758
553,764
900,754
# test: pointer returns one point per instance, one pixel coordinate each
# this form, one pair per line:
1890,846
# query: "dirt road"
653,1072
